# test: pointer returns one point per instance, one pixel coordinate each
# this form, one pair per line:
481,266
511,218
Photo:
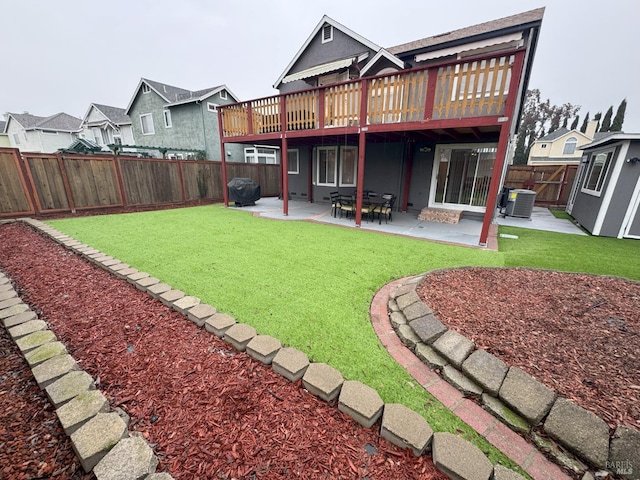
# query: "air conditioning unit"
520,203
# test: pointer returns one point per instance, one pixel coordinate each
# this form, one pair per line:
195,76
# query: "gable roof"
468,33
562,131
550,137
62,122
115,115
611,137
325,20
176,95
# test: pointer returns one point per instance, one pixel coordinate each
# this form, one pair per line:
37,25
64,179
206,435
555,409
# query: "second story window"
223,94
570,146
146,124
167,118
145,88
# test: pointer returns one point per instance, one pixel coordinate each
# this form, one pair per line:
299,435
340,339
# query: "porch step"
440,215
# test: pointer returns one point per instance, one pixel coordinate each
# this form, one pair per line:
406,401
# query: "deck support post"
223,161
284,163
503,142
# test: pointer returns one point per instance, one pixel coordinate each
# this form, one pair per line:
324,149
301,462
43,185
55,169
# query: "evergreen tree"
606,121
574,124
565,122
618,120
597,118
583,128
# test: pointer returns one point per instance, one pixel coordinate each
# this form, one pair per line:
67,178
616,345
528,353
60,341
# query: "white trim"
610,139
382,53
214,105
330,30
603,173
153,129
297,170
166,115
146,88
610,187
334,182
631,213
319,69
223,94
325,19
434,176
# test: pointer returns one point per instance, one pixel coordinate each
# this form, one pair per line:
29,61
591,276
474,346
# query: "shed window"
145,88
597,170
570,146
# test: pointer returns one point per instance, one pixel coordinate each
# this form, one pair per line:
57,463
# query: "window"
570,146
293,167
260,155
146,123
597,170
461,176
167,118
212,107
223,94
326,163
348,166
327,33
16,139
145,88
544,145
96,136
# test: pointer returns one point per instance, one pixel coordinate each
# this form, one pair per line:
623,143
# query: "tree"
583,128
597,118
574,124
565,122
618,120
537,117
606,121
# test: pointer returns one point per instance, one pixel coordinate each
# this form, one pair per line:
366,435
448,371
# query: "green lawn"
310,285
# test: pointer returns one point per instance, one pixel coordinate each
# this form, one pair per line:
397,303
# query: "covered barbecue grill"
243,191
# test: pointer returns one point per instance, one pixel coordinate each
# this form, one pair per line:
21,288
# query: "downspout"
204,127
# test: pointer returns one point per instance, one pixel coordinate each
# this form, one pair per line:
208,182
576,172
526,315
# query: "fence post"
120,181
65,182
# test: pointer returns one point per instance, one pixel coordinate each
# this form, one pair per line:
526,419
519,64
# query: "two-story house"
4,138
31,133
563,146
179,123
105,125
428,121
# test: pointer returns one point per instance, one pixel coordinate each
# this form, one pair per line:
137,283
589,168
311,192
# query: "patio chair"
347,205
335,203
385,208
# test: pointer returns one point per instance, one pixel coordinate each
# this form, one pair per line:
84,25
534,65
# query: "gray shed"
605,198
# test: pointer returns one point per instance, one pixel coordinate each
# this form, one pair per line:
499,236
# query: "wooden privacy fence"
39,183
552,183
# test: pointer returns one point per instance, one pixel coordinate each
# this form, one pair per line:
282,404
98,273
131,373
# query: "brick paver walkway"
499,435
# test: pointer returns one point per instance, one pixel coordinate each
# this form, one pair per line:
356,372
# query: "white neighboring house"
4,138
30,133
105,125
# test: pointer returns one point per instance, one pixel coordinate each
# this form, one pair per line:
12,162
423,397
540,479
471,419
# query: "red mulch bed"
209,411
578,334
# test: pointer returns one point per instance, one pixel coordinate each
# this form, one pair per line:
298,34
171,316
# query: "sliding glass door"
461,176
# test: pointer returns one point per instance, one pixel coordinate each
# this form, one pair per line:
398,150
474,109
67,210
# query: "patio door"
461,176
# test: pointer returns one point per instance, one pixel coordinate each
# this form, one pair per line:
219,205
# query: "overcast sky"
63,55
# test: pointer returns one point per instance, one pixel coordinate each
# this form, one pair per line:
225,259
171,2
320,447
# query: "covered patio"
466,232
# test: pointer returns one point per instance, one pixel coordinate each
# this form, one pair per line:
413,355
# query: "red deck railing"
477,87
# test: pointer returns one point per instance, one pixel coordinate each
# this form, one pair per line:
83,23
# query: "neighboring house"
605,198
31,133
434,115
105,125
179,121
4,138
563,146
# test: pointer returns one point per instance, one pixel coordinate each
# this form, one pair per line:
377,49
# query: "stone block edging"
509,393
398,424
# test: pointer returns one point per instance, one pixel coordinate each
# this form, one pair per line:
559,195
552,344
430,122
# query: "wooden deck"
471,93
